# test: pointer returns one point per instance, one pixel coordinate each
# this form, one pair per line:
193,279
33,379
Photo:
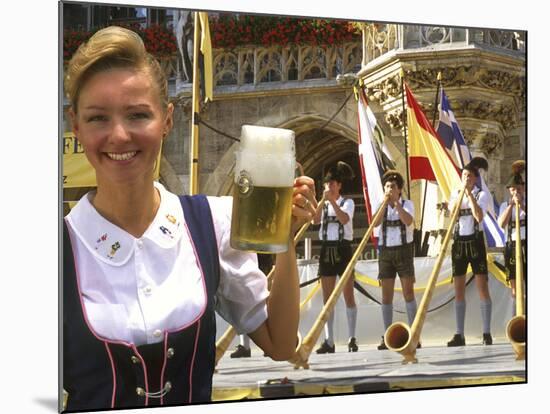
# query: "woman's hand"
304,203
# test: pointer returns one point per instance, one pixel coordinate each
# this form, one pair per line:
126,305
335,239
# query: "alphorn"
516,329
399,337
300,358
225,340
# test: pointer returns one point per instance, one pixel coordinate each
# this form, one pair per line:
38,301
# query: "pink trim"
193,361
97,336
181,328
144,373
163,367
114,373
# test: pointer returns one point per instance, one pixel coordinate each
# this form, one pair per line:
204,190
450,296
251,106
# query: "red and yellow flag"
427,156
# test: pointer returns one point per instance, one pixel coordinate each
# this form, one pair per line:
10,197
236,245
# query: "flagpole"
402,74
433,125
194,145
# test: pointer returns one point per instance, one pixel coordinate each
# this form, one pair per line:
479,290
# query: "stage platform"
367,370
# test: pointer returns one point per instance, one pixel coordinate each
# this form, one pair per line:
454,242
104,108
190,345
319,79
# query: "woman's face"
120,124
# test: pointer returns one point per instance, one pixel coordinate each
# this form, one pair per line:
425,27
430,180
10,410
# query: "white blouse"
332,229
466,223
394,232
136,289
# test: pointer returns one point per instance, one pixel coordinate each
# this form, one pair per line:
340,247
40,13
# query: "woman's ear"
169,120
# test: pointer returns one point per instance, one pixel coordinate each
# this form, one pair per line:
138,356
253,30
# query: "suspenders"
332,219
394,223
463,212
512,226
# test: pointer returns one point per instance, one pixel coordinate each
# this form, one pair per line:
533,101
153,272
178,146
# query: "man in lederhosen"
336,234
396,246
507,220
469,249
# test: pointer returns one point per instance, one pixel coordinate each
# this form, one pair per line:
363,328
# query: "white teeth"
121,156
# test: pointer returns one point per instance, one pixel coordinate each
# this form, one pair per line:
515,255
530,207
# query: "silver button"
147,290
135,359
167,386
157,333
169,352
140,391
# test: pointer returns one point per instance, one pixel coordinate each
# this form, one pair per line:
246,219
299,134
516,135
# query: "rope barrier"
199,120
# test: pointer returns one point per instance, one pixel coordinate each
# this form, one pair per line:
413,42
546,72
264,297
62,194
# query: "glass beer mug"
262,195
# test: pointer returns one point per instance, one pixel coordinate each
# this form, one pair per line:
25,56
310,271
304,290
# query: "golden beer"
262,195
261,221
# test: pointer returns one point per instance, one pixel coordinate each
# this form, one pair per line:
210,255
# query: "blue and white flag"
456,146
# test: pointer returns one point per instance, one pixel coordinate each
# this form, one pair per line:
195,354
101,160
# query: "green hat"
518,167
340,172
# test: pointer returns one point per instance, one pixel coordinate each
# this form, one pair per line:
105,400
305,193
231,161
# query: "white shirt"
394,232
466,223
332,228
136,289
522,216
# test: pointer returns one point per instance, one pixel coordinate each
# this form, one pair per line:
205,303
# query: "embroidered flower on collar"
100,240
166,231
114,249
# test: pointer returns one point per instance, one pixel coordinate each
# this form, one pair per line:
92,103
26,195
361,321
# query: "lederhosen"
100,374
395,259
468,249
510,250
335,254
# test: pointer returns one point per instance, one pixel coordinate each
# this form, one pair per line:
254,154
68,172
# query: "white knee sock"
329,329
245,341
387,315
351,313
411,310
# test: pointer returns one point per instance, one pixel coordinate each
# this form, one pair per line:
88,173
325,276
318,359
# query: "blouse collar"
112,244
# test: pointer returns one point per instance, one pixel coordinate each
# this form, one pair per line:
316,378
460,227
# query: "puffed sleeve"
408,206
242,292
349,208
483,201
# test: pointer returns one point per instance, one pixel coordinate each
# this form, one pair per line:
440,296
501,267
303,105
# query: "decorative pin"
100,240
166,231
114,249
171,218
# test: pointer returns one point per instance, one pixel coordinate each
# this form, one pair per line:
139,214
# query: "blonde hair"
110,48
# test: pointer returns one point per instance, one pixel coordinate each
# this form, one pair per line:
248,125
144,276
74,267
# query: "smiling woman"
143,269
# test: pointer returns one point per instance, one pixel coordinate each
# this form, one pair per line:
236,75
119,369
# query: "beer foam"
267,156
265,140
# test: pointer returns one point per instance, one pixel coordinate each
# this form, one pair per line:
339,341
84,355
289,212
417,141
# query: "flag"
374,157
454,143
206,57
428,158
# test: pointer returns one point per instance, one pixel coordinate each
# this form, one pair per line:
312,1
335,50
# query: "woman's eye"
139,115
96,118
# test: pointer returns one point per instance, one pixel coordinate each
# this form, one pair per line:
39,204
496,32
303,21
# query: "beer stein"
263,189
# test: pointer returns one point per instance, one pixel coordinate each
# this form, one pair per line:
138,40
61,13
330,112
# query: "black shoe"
458,340
352,345
325,348
241,352
382,345
418,345
487,339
